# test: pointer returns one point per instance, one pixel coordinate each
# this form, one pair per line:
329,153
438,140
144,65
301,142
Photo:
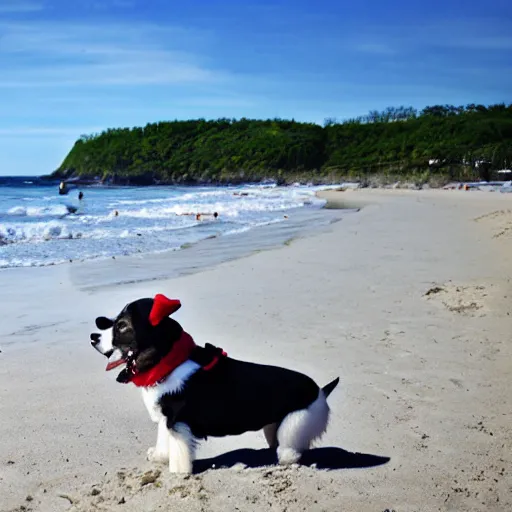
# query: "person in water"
81,202
75,209
199,216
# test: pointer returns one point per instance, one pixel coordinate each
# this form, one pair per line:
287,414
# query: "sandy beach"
407,300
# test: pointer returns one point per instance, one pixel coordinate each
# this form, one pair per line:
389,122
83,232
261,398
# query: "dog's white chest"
172,384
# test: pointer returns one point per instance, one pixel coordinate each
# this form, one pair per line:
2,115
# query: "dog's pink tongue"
115,364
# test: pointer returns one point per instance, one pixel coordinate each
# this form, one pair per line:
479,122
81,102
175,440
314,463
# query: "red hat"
162,308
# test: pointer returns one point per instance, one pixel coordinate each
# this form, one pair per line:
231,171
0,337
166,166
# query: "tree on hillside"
396,140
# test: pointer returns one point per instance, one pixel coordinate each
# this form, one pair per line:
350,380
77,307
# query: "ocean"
36,228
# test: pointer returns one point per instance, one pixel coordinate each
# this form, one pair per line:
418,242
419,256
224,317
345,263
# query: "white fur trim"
300,428
172,384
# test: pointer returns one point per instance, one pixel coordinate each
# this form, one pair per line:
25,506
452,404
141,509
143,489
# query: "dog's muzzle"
114,355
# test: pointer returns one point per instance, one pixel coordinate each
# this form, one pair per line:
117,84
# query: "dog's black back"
235,396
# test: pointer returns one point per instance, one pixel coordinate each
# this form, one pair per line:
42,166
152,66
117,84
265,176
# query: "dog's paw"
287,456
183,467
154,455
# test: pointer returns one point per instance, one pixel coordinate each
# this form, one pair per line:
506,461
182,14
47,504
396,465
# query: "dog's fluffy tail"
329,388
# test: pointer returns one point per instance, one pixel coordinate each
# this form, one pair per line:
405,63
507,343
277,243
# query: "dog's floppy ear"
162,308
103,323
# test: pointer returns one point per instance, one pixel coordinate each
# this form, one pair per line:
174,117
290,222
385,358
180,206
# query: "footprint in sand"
500,222
465,300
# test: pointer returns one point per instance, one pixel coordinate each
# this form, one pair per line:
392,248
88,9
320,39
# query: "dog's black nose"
95,337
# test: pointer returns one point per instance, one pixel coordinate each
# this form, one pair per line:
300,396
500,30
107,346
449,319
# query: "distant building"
436,161
482,163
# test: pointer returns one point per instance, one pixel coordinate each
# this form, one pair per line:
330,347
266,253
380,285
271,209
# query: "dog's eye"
122,326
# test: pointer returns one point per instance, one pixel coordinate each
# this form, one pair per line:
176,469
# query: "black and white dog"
193,392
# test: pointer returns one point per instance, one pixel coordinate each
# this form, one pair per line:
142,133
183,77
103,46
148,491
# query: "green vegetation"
438,142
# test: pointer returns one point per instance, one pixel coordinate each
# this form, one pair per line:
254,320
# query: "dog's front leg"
160,452
182,448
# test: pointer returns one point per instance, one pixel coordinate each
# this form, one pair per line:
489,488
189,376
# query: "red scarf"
181,351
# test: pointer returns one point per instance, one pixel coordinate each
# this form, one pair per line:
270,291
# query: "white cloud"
50,54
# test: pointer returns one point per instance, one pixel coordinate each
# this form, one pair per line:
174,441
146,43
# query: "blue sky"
75,67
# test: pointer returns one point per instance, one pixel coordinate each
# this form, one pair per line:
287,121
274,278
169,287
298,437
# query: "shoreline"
208,253
407,301
76,238
200,255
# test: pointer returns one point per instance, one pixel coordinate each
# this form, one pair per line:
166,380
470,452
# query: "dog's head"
139,336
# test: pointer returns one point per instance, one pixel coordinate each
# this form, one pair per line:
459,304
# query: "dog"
193,392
